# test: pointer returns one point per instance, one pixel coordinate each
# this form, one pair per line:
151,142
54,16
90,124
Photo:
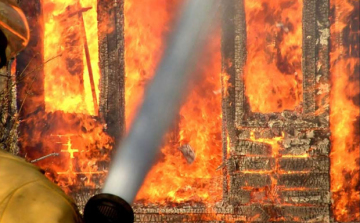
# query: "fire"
172,179
146,26
272,74
271,190
344,118
67,130
67,84
79,142
69,149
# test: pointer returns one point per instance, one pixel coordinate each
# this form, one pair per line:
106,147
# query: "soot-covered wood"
112,66
8,118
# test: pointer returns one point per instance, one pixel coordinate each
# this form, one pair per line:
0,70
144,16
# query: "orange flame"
172,178
345,153
63,38
272,74
146,26
271,190
199,125
66,128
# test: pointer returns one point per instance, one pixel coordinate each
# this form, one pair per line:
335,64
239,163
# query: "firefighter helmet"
14,26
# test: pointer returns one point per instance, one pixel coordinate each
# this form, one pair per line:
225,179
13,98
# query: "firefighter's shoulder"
26,195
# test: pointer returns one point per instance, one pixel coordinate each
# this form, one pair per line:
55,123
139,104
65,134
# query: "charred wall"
112,83
278,163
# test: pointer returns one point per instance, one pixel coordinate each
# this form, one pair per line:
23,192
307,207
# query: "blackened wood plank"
8,118
315,164
249,180
247,147
322,63
309,56
112,66
243,163
307,196
305,180
238,196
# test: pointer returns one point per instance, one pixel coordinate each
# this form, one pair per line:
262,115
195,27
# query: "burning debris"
188,153
44,157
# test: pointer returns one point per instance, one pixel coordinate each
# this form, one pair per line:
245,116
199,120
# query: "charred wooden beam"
8,110
233,59
309,56
228,77
305,180
291,196
258,180
314,164
271,213
306,197
322,63
112,66
239,196
29,65
88,62
247,147
236,164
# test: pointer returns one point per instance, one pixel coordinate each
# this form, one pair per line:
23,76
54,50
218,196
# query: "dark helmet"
13,27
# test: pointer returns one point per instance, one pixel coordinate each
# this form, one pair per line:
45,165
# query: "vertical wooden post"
8,121
112,66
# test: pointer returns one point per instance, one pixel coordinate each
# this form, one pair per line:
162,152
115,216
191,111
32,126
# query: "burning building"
269,131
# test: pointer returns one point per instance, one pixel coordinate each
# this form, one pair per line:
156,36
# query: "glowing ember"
345,153
69,149
273,76
271,190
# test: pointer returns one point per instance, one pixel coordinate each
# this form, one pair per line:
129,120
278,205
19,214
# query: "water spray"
136,154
